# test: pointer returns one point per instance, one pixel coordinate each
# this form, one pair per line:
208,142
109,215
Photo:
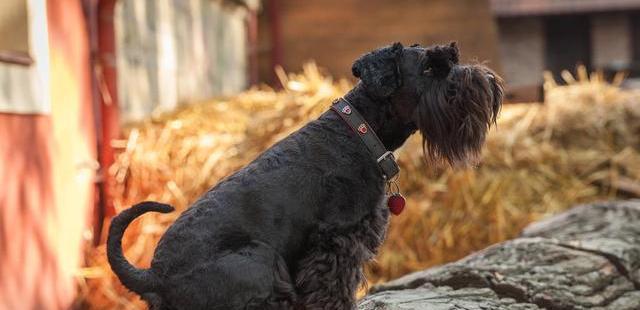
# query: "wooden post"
105,71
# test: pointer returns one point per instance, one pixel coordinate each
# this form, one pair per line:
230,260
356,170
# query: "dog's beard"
456,112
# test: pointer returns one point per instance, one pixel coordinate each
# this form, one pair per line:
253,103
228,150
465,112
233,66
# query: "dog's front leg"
330,272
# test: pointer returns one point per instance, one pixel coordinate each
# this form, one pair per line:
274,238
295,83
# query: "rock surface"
585,258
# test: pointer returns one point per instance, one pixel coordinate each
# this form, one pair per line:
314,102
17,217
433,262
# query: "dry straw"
582,145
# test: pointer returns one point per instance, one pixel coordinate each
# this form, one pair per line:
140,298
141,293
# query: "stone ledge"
585,258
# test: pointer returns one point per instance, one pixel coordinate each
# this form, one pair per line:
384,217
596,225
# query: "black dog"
293,228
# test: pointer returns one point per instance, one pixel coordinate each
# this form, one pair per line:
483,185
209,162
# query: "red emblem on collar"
362,128
346,110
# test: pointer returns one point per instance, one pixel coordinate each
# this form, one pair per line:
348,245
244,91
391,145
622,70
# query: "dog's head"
453,105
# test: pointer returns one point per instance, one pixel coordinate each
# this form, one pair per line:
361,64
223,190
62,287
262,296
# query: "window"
24,57
14,32
635,44
568,43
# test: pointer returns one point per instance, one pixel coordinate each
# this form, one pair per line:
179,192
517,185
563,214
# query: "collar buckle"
384,156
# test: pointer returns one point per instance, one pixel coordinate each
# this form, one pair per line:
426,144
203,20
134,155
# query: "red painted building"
59,108
49,159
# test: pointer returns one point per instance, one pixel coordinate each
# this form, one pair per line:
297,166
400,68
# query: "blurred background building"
73,72
334,33
48,150
172,52
556,35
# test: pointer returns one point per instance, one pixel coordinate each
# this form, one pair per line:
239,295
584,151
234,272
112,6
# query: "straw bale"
581,145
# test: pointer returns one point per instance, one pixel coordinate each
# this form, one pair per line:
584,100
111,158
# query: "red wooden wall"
47,172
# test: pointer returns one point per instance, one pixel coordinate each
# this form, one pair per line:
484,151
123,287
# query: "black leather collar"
379,153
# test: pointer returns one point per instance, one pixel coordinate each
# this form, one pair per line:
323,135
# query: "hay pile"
582,145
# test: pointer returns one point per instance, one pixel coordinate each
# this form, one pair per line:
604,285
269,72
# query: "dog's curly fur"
292,229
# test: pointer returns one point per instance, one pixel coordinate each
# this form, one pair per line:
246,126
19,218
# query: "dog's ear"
379,70
442,58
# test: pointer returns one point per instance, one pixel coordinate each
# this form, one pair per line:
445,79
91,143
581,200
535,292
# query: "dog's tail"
140,281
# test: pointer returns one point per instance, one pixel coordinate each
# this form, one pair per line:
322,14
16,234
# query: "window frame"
16,58
25,75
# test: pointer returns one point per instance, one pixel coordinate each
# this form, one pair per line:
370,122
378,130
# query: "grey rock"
585,258
441,298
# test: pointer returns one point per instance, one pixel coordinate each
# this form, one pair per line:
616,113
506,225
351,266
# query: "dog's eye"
426,71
